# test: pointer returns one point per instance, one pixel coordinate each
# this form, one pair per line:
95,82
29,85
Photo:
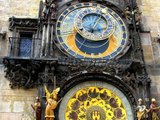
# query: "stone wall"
17,8
15,104
151,33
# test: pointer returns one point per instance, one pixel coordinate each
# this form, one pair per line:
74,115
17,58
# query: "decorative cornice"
22,22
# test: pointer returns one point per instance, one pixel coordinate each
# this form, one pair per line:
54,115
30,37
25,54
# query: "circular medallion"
91,30
94,24
95,101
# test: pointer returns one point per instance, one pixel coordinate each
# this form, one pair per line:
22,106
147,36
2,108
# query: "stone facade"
15,104
150,36
18,8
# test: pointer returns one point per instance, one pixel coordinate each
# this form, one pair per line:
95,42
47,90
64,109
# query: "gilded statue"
51,103
37,108
142,111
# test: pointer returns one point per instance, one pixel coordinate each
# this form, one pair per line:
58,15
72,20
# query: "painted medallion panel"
95,101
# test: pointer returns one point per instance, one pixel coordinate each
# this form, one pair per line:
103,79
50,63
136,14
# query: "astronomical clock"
91,49
91,30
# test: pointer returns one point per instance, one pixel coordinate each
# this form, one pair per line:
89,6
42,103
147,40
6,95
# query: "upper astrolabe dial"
91,30
94,24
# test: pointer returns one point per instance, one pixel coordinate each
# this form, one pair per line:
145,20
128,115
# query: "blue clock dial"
89,47
90,30
94,24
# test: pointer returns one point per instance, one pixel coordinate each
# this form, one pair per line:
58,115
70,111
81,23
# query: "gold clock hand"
96,23
103,12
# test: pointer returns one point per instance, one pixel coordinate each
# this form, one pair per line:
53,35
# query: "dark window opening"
25,44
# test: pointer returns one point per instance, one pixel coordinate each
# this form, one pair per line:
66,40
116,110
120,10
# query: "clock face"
94,24
90,30
84,99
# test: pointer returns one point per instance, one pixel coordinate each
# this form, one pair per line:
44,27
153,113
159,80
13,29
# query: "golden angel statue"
51,103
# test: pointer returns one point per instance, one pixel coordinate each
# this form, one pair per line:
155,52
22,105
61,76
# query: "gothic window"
25,45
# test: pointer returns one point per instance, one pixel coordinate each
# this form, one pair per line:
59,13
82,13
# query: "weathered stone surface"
10,116
16,116
151,22
5,105
17,8
15,104
18,106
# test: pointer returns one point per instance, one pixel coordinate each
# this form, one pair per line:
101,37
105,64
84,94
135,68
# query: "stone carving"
49,8
37,108
21,74
128,14
51,103
113,67
53,10
46,9
137,16
22,22
130,79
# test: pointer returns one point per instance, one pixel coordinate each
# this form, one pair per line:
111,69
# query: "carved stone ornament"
22,22
21,74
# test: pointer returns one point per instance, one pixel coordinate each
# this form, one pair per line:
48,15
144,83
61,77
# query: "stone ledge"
15,116
20,92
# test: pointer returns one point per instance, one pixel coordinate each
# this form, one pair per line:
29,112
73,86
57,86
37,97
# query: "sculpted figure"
154,109
37,107
128,14
46,9
142,112
138,18
51,103
53,10
137,15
